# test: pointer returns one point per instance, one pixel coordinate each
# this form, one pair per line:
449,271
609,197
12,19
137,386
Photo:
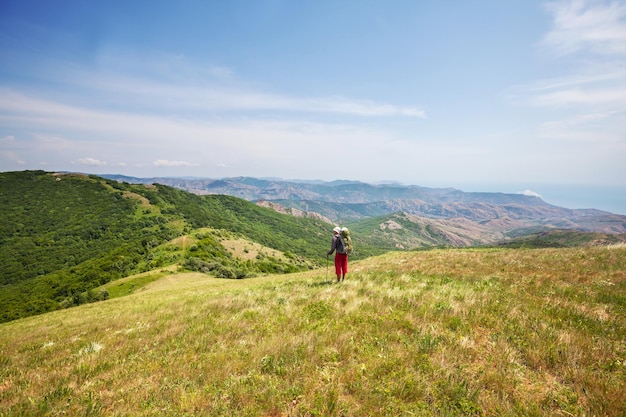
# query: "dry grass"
447,332
246,249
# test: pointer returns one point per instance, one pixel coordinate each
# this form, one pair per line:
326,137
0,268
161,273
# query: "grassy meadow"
459,332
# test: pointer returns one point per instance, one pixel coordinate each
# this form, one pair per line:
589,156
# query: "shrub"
224,272
198,265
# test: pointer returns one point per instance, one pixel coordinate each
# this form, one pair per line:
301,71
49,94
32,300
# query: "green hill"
63,235
405,231
456,332
564,239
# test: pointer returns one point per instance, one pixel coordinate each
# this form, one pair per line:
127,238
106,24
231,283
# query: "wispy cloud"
168,112
166,163
165,83
593,26
582,96
178,116
609,72
168,141
588,101
182,97
589,38
91,162
582,119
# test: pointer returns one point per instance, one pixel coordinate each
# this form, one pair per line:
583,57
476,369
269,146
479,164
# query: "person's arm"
333,246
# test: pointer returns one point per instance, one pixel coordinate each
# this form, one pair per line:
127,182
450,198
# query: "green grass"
127,286
475,332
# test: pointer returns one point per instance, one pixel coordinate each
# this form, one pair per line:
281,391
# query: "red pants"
341,263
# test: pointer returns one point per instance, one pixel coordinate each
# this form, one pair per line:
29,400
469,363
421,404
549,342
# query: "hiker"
341,257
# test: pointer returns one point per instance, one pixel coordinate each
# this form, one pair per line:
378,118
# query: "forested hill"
62,235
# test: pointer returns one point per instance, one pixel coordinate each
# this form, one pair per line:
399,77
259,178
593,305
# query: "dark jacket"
336,244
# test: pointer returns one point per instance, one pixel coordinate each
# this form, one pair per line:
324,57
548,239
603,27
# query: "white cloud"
144,138
579,96
114,114
587,103
91,162
166,163
593,34
587,25
590,74
200,89
581,120
530,193
354,107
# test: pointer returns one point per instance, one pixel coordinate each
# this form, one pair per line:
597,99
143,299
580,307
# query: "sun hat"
337,229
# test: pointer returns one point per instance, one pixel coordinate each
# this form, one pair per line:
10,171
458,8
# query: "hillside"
463,218
62,235
472,332
406,231
564,239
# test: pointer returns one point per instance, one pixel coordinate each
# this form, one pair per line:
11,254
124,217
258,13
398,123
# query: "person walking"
341,257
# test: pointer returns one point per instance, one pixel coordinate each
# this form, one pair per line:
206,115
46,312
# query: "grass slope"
476,332
565,239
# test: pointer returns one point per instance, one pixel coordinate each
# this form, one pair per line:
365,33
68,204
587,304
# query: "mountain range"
435,215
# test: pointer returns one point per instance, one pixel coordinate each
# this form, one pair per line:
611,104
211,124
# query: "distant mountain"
339,191
564,239
496,215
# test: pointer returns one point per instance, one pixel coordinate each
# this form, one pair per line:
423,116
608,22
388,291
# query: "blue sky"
487,95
